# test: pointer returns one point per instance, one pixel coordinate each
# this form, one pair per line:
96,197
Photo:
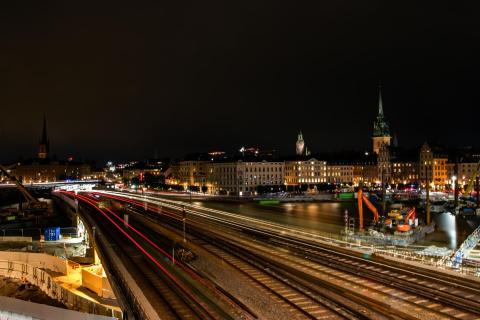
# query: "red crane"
361,200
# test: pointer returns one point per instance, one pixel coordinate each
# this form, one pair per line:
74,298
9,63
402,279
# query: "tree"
135,181
204,189
194,188
153,180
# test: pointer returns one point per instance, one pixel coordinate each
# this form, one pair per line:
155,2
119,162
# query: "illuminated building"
433,165
300,145
306,171
397,166
339,172
242,177
45,169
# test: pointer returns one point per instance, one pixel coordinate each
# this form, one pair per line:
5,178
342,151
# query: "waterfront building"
340,172
242,177
365,171
433,166
397,166
305,171
192,172
466,171
45,169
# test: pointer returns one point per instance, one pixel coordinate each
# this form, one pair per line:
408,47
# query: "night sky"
119,81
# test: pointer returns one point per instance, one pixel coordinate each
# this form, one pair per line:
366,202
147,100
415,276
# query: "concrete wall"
15,239
14,265
11,308
94,278
92,281
38,260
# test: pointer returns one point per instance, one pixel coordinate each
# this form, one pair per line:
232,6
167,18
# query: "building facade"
433,167
310,171
340,173
50,171
192,173
45,169
243,177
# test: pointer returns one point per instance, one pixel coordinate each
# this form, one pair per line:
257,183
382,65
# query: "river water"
328,218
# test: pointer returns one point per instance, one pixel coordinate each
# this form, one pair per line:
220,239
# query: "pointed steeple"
44,144
380,126
380,103
381,129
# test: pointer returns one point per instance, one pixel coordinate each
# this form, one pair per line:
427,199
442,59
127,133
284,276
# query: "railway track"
316,279
462,295
382,280
170,300
303,304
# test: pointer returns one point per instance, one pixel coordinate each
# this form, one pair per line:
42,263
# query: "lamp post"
184,219
427,196
384,193
455,190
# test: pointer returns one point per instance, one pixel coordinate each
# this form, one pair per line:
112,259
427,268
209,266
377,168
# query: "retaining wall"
27,267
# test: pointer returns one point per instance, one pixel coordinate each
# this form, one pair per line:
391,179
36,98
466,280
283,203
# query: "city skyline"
119,83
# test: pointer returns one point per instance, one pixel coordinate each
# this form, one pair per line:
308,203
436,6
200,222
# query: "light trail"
177,205
143,250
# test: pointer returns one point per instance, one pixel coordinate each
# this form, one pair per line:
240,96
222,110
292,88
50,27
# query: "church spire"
44,143
381,129
380,103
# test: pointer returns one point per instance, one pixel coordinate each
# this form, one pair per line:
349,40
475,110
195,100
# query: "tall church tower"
300,144
381,130
44,144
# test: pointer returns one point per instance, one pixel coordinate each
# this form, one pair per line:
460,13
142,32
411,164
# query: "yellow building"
433,167
311,171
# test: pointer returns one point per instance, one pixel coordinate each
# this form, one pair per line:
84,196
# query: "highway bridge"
174,260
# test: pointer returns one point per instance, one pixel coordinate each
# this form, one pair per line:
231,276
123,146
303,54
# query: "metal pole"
384,193
93,237
427,197
360,207
478,195
455,183
184,218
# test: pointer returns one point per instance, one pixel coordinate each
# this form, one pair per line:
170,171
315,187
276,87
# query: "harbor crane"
33,204
361,199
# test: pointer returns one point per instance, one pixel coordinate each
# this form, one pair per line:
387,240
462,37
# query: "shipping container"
52,234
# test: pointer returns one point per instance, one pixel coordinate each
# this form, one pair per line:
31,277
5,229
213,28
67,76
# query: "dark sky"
118,80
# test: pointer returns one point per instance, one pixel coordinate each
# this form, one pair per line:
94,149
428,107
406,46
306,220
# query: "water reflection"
328,217
447,223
